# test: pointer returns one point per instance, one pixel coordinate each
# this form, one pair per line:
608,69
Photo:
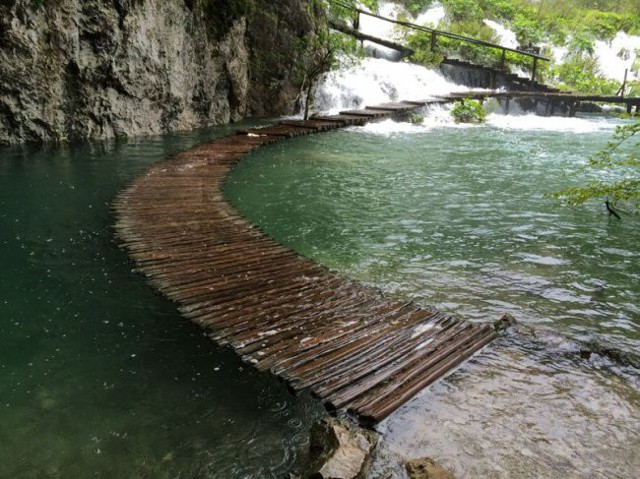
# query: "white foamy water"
506,37
374,81
432,16
617,55
380,28
440,117
433,117
548,123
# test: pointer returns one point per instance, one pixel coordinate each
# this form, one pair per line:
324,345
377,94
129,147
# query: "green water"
99,376
457,218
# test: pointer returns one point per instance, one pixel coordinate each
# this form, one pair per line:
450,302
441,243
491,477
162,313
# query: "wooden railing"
440,33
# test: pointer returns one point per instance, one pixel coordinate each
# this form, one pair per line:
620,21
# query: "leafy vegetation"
327,50
324,52
468,111
414,7
616,175
575,24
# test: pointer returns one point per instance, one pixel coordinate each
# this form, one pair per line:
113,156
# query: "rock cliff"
75,69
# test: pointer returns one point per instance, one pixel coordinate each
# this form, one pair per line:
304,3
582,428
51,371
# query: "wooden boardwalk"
351,346
553,98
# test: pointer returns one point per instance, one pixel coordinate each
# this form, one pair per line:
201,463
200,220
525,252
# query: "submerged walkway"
351,346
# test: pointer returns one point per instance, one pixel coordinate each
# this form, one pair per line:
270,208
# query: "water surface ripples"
457,218
100,376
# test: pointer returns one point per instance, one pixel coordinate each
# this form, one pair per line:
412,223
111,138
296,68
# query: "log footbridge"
347,343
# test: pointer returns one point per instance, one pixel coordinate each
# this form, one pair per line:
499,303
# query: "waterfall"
432,16
506,37
374,81
622,52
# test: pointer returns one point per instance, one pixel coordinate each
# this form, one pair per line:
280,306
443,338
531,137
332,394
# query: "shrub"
468,111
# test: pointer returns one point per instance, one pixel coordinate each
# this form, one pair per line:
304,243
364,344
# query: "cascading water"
432,16
455,216
373,81
620,54
506,37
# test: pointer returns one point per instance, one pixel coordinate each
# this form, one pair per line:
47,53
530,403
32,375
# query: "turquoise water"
457,217
100,377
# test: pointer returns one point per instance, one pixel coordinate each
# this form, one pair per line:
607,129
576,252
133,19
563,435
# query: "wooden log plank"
278,310
373,414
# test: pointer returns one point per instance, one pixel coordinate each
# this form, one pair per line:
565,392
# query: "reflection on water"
100,377
457,218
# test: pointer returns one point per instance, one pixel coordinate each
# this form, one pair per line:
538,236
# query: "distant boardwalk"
351,346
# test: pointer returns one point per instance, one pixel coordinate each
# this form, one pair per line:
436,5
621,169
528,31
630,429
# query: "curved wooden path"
351,346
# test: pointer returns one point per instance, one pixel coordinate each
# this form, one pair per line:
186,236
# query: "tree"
328,50
323,54
618,181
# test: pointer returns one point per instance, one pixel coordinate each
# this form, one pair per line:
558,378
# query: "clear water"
99,376
456,217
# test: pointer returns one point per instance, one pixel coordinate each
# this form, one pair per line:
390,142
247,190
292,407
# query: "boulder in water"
340,450
427,468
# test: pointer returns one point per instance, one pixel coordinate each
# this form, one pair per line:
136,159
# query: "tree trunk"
307,100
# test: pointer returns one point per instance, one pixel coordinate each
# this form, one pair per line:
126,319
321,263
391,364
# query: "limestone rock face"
76,69
340,450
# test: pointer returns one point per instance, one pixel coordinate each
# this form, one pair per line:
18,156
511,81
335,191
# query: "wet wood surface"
353,347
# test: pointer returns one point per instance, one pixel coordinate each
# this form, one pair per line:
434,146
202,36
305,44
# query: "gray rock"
78,69
340,450
427,468
505,322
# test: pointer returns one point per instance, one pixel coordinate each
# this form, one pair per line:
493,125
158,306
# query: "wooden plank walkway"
351,346
569,98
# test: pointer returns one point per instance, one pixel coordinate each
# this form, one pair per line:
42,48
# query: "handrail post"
535,68
624,83
433,41
503,60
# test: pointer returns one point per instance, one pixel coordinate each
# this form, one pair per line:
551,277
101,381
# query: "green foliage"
468,111
474,53
463,10
420,43
527,30
323,52
580,71
581,43
343,9
36,4
633,89
604,24
414,7
581,74
616,175
576,24
427,58
601,18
